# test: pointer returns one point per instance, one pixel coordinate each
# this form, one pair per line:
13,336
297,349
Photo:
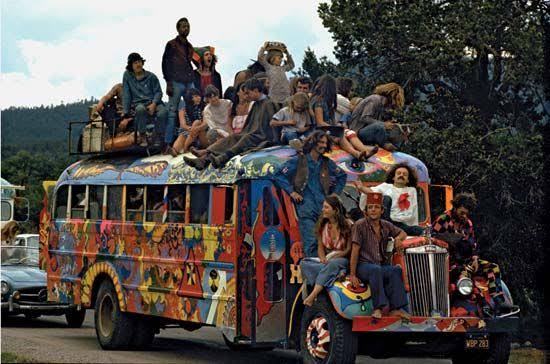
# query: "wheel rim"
318,338
106,315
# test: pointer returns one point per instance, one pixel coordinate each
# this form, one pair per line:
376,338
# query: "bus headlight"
5,287
465,286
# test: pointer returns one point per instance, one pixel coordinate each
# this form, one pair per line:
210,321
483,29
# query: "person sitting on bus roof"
455,227
142,96
256,133
400,198
308,178
334,244
109,109
206,73
369,262
192,126
217,112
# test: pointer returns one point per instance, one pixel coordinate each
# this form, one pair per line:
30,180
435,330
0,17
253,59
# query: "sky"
57,51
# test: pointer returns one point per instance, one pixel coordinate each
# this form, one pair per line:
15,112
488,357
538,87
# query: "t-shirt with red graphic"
404,205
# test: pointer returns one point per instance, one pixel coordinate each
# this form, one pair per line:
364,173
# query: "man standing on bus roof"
178,73
308,179
370,237
141,93
400,198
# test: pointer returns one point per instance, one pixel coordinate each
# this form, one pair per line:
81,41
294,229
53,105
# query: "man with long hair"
206,74
308,178
370,119
400,198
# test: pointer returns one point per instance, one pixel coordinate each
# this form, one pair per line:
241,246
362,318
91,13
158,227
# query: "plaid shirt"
445,224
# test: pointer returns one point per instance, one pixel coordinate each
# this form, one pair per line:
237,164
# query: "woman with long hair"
240,108
324,104
334,246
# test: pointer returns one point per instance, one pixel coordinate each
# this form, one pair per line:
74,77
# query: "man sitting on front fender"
370,237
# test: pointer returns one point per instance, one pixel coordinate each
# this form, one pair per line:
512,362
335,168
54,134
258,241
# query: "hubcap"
318,338
106,316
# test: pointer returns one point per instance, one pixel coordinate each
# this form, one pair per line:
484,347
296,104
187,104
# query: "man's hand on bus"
296,197
151,108
354,281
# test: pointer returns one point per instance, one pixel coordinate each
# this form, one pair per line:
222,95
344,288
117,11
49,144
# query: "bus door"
269,237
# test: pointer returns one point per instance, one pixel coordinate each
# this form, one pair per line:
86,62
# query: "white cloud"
86,61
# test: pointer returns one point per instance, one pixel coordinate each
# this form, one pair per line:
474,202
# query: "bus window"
270,216
200,201
95,205
273,284
114,202
176,203
229,207
60,211
134,203
79,203
6,211
155,203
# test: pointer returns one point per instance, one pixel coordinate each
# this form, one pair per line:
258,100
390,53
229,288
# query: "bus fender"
89,279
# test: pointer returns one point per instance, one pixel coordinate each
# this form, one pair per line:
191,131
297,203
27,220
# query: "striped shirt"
372,250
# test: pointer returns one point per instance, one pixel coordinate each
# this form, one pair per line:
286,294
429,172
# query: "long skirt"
313,271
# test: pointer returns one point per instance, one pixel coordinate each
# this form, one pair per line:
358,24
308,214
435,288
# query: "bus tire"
75,318
114,329
339,344
144,332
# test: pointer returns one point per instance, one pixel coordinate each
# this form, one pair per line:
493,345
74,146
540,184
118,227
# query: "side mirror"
21,209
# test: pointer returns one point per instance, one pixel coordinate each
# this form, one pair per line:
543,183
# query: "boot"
197,163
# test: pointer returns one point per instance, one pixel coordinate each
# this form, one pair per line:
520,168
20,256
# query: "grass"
526,356
15,358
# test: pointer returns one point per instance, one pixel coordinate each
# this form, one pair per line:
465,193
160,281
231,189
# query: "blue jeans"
373,134
386,284
142,116
179,90
309,240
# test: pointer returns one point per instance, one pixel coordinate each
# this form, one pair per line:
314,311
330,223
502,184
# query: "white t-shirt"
217,117
404,205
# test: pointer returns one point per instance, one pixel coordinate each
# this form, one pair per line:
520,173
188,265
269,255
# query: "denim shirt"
142,91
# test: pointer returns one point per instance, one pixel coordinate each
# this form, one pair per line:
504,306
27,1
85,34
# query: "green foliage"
313,67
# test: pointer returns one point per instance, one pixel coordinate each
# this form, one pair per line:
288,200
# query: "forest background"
477,81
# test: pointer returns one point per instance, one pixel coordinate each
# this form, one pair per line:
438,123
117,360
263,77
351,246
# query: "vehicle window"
95,196
155,203
32,242
134,203
273,284
114,202
19,242
19,255
176,203
229,207
6,211
60,211
270,216
78,202
421,204
200,201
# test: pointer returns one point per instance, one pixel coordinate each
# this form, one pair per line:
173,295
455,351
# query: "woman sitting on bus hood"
334,246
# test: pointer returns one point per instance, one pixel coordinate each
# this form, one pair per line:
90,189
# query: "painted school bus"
151,242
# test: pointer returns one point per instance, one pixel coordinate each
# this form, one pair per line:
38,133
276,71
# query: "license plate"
476,342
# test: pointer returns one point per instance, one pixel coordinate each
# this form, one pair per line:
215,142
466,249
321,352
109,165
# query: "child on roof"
279,86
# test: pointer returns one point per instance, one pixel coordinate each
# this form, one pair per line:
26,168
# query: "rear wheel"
325,337
114,329
75,318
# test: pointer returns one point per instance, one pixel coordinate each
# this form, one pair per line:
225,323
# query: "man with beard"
308,179
400,198
255,134
178,73
455,227
368,261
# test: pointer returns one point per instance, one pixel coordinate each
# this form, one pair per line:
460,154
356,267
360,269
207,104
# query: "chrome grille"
34,295
428,275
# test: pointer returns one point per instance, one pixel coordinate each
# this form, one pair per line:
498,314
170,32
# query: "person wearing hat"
308,178
206,73
178,73
369,259
142,95
270,57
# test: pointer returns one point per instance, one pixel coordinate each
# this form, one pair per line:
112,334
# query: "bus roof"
164,169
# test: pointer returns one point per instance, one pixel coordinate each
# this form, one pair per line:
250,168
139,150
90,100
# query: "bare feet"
377,314
309,300
400,313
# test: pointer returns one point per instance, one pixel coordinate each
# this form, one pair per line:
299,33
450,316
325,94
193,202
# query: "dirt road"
48,339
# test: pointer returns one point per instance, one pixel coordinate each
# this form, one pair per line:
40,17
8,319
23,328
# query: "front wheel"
114,329
75,318
325,337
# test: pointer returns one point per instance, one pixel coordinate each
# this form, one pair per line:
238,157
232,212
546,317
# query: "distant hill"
41,129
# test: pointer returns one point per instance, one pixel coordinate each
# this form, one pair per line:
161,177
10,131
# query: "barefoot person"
370,237
333,247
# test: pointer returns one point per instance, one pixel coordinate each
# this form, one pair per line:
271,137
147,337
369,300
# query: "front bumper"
13,306
419,324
